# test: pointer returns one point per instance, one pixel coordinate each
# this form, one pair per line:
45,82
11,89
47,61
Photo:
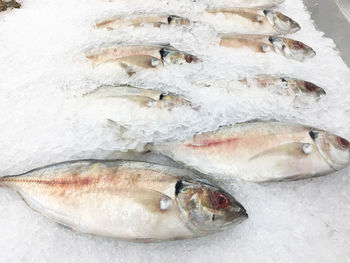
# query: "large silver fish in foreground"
139,20
261,151
255,3
303,91
262,44
8,4
250,21
148,98
134,57
128,200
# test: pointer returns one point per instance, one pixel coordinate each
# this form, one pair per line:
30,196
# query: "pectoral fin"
142,61
289,149
151,200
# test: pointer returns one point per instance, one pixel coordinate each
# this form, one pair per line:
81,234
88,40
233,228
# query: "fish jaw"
304,89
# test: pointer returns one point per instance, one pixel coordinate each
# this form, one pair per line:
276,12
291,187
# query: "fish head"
281,23
173,56
310,89
292,48
207,208
178,20
334,149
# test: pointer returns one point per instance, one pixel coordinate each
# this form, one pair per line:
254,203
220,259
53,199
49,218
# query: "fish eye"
313,135
170,19
189,58
219,200
161,96
343,142
298,44
310,87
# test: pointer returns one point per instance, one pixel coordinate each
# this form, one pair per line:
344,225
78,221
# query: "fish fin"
152,200
109,91
128,155
129,70
142,61
116,126
294,148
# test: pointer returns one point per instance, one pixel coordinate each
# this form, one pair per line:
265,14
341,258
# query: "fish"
134,57
8,4
149,98
286,47
128,200
251,21
255,3
139,20
261,151
302,91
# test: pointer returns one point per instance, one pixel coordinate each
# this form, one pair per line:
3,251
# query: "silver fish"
144,97
127,200
134,57
302,91
252,21
262,44
8,4
139,20
261,151
255,3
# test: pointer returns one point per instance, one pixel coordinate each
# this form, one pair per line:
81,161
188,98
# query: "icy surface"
45,119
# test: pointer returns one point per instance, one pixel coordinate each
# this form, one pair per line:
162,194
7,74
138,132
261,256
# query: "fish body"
286,47
133,57
144,97
128,200
250,21
261,151
139,20
8,4
302,91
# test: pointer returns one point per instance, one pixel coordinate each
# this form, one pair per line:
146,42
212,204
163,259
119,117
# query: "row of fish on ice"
141,201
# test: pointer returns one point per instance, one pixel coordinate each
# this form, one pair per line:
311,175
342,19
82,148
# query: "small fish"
261,151
128,200
139,20
255,3
262,44
145,97
134,57
8,4
252,21
303,91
